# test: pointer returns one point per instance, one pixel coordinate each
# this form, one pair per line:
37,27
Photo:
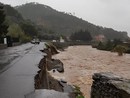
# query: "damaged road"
28,75
10,54
46,84
18,79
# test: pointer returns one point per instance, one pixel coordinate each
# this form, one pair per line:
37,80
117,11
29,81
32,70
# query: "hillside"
12,15
19,28
63,23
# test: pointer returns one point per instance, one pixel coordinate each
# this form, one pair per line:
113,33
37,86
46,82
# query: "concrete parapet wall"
107,85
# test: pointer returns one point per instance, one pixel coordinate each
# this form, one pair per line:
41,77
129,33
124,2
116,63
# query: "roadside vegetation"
115,45
120,49
78,93
3,25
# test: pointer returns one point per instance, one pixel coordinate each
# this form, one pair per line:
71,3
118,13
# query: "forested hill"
63,23
18,27
12,15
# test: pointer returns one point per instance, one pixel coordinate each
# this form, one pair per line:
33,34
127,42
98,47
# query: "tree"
81,35
120,49
109,45
29,29
15,31
3,26
101,46
117,42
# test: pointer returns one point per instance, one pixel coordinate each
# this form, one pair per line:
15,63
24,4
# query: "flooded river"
81,62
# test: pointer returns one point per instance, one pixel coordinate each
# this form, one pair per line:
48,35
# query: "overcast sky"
107,13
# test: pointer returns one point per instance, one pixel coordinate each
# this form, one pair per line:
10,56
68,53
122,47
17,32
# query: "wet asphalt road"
17,77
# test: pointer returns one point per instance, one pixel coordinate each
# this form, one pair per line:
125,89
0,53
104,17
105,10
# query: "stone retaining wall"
107,85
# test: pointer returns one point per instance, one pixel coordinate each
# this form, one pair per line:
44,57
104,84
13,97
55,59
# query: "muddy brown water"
80,62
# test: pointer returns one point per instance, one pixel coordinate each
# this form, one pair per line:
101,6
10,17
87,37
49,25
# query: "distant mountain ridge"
62,23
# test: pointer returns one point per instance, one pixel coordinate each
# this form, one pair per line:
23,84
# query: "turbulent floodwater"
81,62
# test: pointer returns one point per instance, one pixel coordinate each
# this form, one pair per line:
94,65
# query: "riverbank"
81,62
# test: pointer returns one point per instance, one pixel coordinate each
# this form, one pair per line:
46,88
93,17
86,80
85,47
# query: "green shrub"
79,96
120,49
78,93
25,39
101,46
